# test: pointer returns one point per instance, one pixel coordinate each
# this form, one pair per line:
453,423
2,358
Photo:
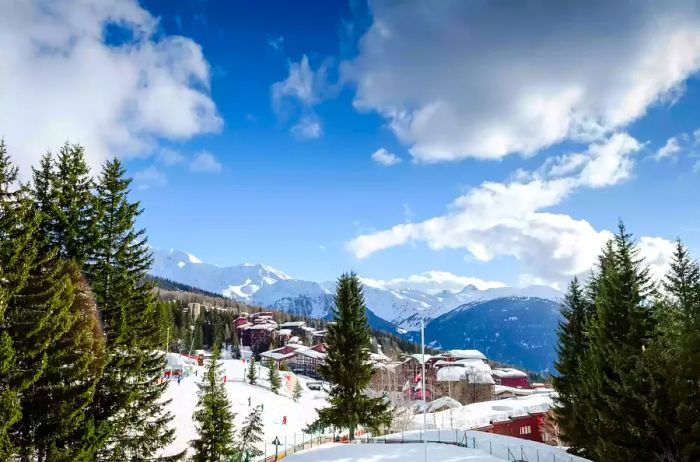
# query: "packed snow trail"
275,407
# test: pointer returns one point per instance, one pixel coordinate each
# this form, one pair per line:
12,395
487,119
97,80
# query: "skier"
284,420
179,377
249,401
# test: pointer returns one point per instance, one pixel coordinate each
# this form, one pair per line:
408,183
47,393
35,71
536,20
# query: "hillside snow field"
184,401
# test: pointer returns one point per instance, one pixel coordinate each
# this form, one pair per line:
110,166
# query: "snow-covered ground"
478,415
390,453
275,407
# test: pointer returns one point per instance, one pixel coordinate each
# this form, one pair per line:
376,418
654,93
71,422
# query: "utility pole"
423,390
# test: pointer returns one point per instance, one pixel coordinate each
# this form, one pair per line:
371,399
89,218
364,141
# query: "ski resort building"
509,377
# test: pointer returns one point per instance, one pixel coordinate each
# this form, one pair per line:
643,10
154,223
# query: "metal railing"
495,445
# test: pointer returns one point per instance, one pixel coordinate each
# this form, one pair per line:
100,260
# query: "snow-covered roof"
419,357
508,372
312,353
293,324
443,403
277,356
285,331
479,415
258,327
500,389
467,354
474,372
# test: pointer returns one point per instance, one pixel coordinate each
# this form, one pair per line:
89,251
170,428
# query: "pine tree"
615,384
346,366
251,434
252,372
9,402
572,349
130,416
213,416
296,393
273,377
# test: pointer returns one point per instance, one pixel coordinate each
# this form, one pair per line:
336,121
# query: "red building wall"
527,427
515,382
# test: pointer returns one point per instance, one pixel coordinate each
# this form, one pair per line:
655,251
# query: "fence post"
294,451
490,449
538,455
439,439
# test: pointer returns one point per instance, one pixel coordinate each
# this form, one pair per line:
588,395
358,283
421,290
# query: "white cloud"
308,127
303,89
670,149
60,80
205,162
470,79
276,43
148,177
433,282
167,156
510,219
385,158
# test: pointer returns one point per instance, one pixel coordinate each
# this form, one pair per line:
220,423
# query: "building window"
525,430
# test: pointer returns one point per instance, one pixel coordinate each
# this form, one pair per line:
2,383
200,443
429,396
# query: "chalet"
239,321
307,361
250,334
511,378
466,380
283,335
280,355
296,327
298,358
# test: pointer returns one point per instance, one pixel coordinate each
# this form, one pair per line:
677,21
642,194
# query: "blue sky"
520,134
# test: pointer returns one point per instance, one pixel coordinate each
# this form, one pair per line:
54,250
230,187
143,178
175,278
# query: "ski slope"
184,401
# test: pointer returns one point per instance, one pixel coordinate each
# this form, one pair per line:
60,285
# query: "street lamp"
425,404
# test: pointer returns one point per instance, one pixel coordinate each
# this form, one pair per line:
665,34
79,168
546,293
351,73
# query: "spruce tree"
37,292
213,416
72,211
347,367
250,435
273,377
252,372
296,393
130,416
572,349
679,348
55,410
615,384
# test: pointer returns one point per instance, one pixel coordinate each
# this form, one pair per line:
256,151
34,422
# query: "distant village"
453,378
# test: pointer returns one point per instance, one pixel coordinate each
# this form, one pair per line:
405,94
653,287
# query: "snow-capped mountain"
240,282
266,286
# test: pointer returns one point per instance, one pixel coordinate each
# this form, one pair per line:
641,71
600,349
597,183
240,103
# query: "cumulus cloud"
303,89
510,219
308,127
670,149
433,282
205,162
149,177
458,79
61,80
385,158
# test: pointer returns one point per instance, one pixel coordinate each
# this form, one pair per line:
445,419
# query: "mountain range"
513,325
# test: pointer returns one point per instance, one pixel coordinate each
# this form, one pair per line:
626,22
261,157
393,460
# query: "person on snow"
179,377
284,420
249,401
